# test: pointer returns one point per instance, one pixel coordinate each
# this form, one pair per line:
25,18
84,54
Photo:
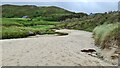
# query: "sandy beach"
50,50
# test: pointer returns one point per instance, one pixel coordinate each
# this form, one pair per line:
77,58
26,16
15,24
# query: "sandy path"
51,50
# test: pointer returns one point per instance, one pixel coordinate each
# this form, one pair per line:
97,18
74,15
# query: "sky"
60,0
86,6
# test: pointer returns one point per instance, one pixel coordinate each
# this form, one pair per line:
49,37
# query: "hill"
51,13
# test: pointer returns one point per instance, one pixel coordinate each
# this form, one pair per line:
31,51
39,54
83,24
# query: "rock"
31,33
88,50
91,52
94,55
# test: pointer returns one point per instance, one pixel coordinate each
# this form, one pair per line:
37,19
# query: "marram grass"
107,35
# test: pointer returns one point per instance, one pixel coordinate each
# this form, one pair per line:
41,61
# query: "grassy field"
20,27
107,35
43,26
24,22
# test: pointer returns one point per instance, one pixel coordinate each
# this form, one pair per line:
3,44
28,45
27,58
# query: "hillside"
88,23
31,10
51,13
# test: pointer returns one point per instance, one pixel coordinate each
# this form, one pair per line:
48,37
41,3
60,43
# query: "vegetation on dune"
107,35
88,23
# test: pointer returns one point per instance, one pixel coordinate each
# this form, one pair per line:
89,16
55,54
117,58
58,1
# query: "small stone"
88,50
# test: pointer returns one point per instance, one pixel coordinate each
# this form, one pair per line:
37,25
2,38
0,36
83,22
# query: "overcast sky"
59,0
87,6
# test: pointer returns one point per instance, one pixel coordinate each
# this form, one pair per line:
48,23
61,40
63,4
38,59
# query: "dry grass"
107,35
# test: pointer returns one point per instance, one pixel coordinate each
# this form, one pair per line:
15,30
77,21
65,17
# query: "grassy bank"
20,32
23,27
107,35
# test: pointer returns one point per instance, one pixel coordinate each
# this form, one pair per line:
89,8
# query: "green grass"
43,26
24,22
43,23
20,27
77,26
107,34
10,22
